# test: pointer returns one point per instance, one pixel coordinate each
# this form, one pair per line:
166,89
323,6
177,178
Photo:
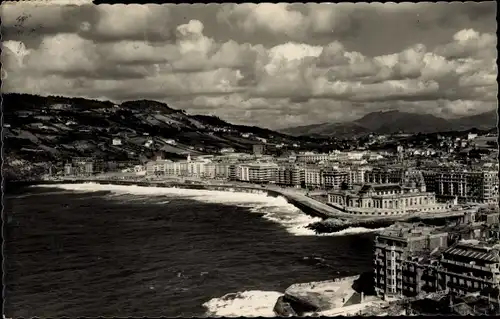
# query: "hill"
395,121
53,129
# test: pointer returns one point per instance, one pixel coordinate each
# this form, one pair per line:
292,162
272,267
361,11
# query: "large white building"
409,196
309,157
257,172
312,177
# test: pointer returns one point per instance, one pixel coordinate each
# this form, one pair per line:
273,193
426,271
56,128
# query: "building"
471,136
311,158
117,142
356,175
333,179
86,166
232,172
290,175
258,149
257,172
222,170
470,266
227,150
385,199
158,167
413,259
396,250
384,176
466,186
68,169
312,177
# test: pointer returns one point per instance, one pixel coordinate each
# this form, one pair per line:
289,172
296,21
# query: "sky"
269,65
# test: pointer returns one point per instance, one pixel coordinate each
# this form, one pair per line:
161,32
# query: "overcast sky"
272,65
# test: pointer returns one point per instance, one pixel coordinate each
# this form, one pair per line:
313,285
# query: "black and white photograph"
249,160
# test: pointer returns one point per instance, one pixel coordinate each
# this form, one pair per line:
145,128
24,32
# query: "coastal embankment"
332,221
308,205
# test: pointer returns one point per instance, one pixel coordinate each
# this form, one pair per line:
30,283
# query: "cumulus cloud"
132,52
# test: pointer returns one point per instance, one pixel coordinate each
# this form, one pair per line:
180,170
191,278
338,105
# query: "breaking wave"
274,209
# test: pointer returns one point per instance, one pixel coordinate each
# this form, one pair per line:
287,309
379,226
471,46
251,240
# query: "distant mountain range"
53,129
395,121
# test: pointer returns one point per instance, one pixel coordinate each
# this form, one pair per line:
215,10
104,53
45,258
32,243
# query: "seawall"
332,220
15,185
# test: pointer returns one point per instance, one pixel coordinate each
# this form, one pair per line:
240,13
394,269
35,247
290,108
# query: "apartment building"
290,175
159,167
470,266
333,179
466,186
257,172
356,175
222,170
384,176
84,166
201,168
312,157
395,252
312,177
233,171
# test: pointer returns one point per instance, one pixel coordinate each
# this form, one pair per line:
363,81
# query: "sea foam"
274,209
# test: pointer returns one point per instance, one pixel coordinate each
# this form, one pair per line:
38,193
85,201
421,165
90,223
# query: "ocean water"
103,250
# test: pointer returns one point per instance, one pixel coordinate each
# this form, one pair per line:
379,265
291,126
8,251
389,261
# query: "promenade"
295,196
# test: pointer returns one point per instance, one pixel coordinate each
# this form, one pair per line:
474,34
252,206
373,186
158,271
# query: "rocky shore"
332,225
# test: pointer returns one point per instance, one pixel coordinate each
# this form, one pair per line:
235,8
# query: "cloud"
275,18
470,43
95,51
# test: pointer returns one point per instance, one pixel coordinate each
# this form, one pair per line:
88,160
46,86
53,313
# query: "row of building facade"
472,186
411,260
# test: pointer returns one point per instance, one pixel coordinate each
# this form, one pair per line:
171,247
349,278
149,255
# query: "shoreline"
227,187
328,224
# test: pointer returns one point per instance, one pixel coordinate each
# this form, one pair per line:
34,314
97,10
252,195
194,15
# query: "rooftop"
475,250
405,230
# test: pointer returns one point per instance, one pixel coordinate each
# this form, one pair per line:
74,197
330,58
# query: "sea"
103,250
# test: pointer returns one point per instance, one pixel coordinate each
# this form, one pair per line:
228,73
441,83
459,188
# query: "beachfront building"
399,255
385,199
312,177
410,196
290,175
257,172
222,170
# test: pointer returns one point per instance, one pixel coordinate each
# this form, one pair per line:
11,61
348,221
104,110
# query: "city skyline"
270,65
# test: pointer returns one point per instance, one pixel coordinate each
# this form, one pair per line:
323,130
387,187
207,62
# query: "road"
294,194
